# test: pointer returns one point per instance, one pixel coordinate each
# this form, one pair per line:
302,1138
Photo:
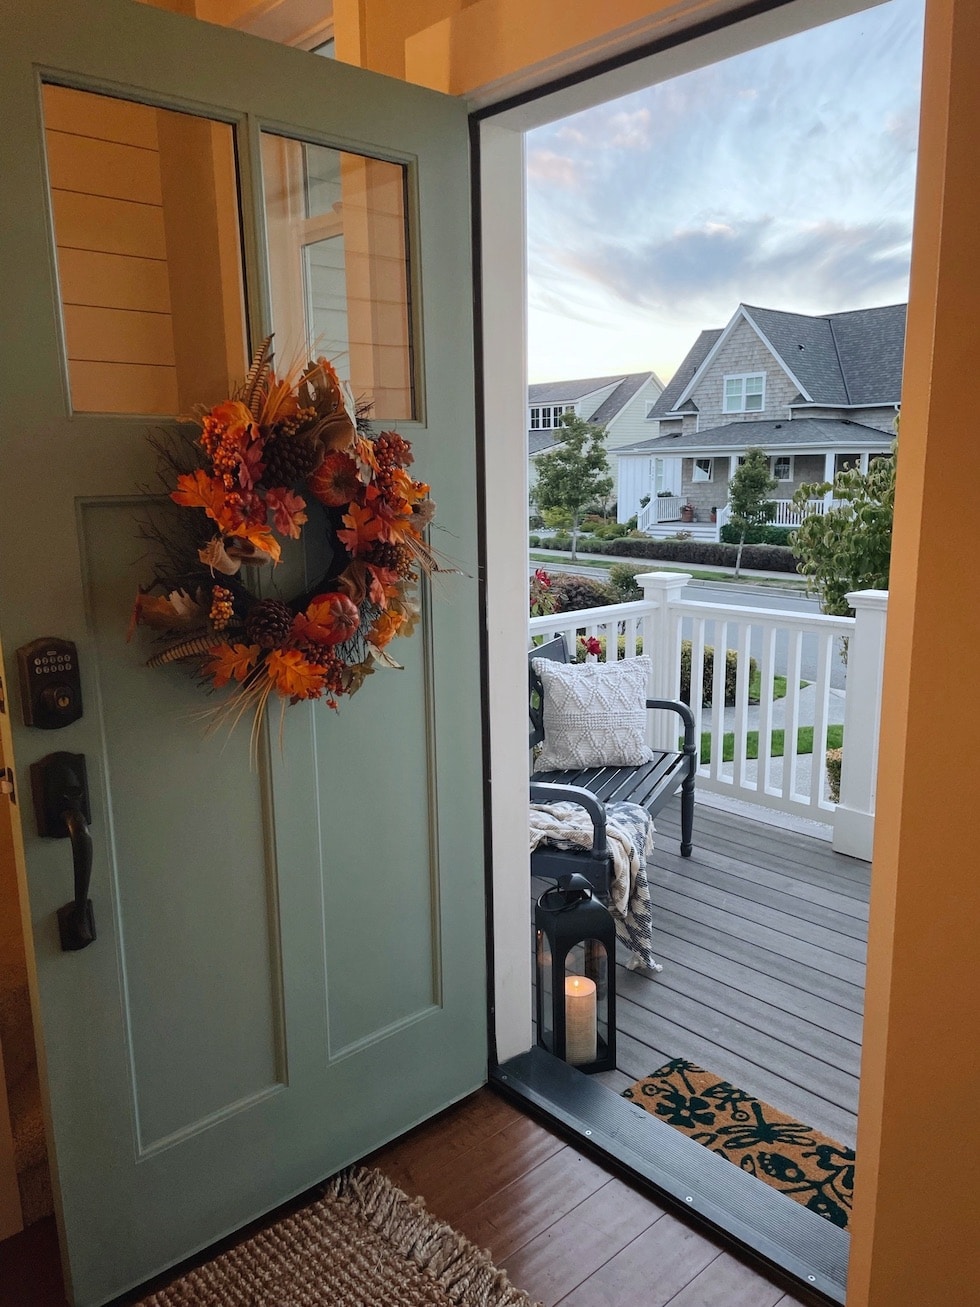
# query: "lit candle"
580,1020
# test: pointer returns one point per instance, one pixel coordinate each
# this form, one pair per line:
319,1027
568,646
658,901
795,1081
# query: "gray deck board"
762,937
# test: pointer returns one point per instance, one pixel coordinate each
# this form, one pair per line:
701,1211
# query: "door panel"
279,942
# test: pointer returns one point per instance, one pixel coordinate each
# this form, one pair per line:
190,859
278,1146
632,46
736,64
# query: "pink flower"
590,644
542,577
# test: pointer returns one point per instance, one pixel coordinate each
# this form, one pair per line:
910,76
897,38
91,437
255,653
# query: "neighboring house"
622,404
815,393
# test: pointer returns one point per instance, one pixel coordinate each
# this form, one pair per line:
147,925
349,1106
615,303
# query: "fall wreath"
286,458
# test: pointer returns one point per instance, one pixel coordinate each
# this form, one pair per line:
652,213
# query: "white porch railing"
661,508
801,647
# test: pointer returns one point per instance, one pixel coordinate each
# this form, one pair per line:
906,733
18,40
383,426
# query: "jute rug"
363,1244
799,1161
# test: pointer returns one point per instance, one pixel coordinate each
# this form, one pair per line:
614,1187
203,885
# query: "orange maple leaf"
293,676
231,662
262,538
363,528
385,628
197,490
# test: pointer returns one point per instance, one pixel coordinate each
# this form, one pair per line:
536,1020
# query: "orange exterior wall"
916,1231
917,1219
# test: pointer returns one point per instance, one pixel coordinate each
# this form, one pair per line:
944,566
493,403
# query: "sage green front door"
289,966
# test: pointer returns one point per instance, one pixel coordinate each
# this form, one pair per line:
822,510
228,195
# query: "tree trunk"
738,556
574,534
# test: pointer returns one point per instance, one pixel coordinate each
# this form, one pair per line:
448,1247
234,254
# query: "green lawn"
835,738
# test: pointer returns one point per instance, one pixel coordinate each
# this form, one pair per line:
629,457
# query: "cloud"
550,168
783,176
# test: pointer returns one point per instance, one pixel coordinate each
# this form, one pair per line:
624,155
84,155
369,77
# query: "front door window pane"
338,256
148,236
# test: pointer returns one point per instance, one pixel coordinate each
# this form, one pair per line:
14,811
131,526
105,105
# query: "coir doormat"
799,1161
364,1242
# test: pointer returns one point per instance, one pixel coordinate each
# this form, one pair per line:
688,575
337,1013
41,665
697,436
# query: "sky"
783,177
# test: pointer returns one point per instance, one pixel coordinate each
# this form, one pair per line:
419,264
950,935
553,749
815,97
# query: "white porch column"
863,463
829,469
661,590
854,817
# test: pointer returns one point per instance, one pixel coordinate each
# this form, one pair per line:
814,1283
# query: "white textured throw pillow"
594,714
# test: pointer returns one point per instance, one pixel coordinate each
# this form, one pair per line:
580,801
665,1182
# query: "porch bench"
651,784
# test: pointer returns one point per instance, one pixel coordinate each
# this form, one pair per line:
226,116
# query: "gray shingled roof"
871,348
620,397
553,392
828,433
540,440
681,378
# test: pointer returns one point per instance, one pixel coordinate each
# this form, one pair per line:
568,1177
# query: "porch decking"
762,938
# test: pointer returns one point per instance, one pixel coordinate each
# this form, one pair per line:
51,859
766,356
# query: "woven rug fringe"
448,1257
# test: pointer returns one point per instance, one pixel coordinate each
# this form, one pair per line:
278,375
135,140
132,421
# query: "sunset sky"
783,177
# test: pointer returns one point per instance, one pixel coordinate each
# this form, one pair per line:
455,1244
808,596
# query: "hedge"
757,535
765,558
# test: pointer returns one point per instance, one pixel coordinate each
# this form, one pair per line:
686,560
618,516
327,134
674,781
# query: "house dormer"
544,417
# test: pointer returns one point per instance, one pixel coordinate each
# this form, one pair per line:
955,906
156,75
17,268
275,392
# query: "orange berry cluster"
222,609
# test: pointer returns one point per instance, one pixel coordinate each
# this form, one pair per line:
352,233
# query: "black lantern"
576,976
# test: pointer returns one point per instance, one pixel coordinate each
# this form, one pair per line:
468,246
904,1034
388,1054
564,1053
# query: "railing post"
660,591
854,817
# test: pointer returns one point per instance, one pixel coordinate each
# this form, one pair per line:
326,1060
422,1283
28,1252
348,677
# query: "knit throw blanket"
629,835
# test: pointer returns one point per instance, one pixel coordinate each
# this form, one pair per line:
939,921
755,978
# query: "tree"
748,493
849,546
576,472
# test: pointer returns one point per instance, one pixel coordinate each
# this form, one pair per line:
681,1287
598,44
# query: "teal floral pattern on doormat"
799,1161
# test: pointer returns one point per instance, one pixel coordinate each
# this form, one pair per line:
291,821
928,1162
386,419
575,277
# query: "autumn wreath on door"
284,459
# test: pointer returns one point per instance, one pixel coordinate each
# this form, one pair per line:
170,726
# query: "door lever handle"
61,806
76,920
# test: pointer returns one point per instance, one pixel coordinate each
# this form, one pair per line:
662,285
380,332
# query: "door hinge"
7,784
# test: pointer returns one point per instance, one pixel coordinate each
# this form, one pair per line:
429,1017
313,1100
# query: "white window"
545,416
703,469
781,467
744,392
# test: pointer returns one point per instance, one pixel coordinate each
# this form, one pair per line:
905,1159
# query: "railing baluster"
767,673
697,678
821,718
791,716
718,699
741,706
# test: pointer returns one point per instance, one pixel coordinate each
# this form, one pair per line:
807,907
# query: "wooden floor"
565,1229
762,936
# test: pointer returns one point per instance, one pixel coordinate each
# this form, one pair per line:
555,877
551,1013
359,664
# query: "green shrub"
533,542
708,678
574,593
622,578
833,772
610,530
757,535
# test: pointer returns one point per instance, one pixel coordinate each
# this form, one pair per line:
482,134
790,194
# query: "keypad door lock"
50,688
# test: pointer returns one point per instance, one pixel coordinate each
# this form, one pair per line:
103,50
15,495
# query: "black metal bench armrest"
547,792
686,716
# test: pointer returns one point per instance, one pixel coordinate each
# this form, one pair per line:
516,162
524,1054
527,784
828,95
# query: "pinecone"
393,558
291,457
268,623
